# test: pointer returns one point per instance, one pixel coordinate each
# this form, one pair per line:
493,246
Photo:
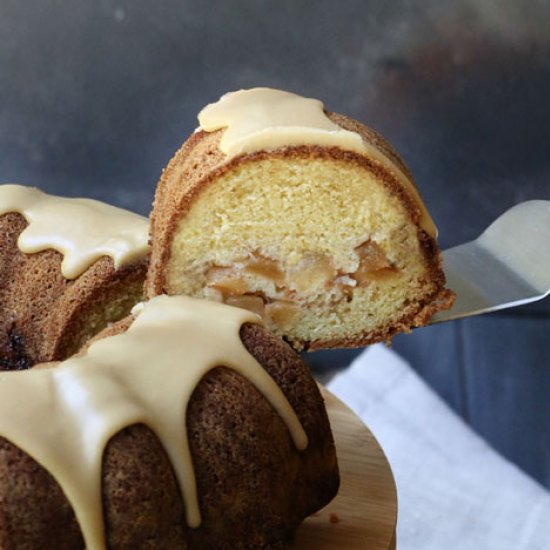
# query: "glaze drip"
145,375
262,118
82,230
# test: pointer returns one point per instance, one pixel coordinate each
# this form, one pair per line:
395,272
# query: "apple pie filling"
261,285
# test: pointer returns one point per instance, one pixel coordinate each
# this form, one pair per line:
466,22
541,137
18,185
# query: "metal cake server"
507,265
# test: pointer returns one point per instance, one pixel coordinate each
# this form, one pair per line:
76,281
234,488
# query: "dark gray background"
96,96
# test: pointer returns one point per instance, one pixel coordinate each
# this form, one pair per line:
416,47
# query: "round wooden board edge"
364,513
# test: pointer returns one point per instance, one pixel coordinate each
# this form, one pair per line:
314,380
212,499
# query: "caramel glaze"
265,119
72,410
82,230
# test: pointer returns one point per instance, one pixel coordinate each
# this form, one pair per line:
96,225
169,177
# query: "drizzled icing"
145,375
262,118
266,119
82,230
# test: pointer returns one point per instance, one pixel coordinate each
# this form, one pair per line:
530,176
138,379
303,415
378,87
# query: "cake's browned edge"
253,486
45,317
199,162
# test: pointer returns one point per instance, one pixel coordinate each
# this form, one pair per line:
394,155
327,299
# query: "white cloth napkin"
455,492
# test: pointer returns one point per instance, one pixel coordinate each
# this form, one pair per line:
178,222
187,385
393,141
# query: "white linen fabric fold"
454,490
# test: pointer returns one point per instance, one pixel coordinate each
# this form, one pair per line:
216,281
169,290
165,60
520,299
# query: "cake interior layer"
113,304
321,248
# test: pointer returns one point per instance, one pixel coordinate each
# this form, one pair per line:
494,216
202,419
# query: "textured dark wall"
96,96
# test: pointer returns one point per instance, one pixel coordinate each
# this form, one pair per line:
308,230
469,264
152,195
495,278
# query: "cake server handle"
506,266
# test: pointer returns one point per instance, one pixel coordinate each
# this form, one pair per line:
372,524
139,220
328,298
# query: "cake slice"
305,217
68,268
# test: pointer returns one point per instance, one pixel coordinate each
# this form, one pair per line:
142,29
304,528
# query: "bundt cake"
303,216
187,425
68,267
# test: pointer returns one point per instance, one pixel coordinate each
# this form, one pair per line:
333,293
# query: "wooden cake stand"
363,516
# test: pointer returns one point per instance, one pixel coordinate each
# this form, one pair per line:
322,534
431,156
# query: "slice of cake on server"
303,216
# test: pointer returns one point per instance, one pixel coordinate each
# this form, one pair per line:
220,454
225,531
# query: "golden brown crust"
200,163
254,487
33,509
199,157
371,137
45,317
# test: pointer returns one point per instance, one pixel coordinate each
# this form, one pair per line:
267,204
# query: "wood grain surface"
364,513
